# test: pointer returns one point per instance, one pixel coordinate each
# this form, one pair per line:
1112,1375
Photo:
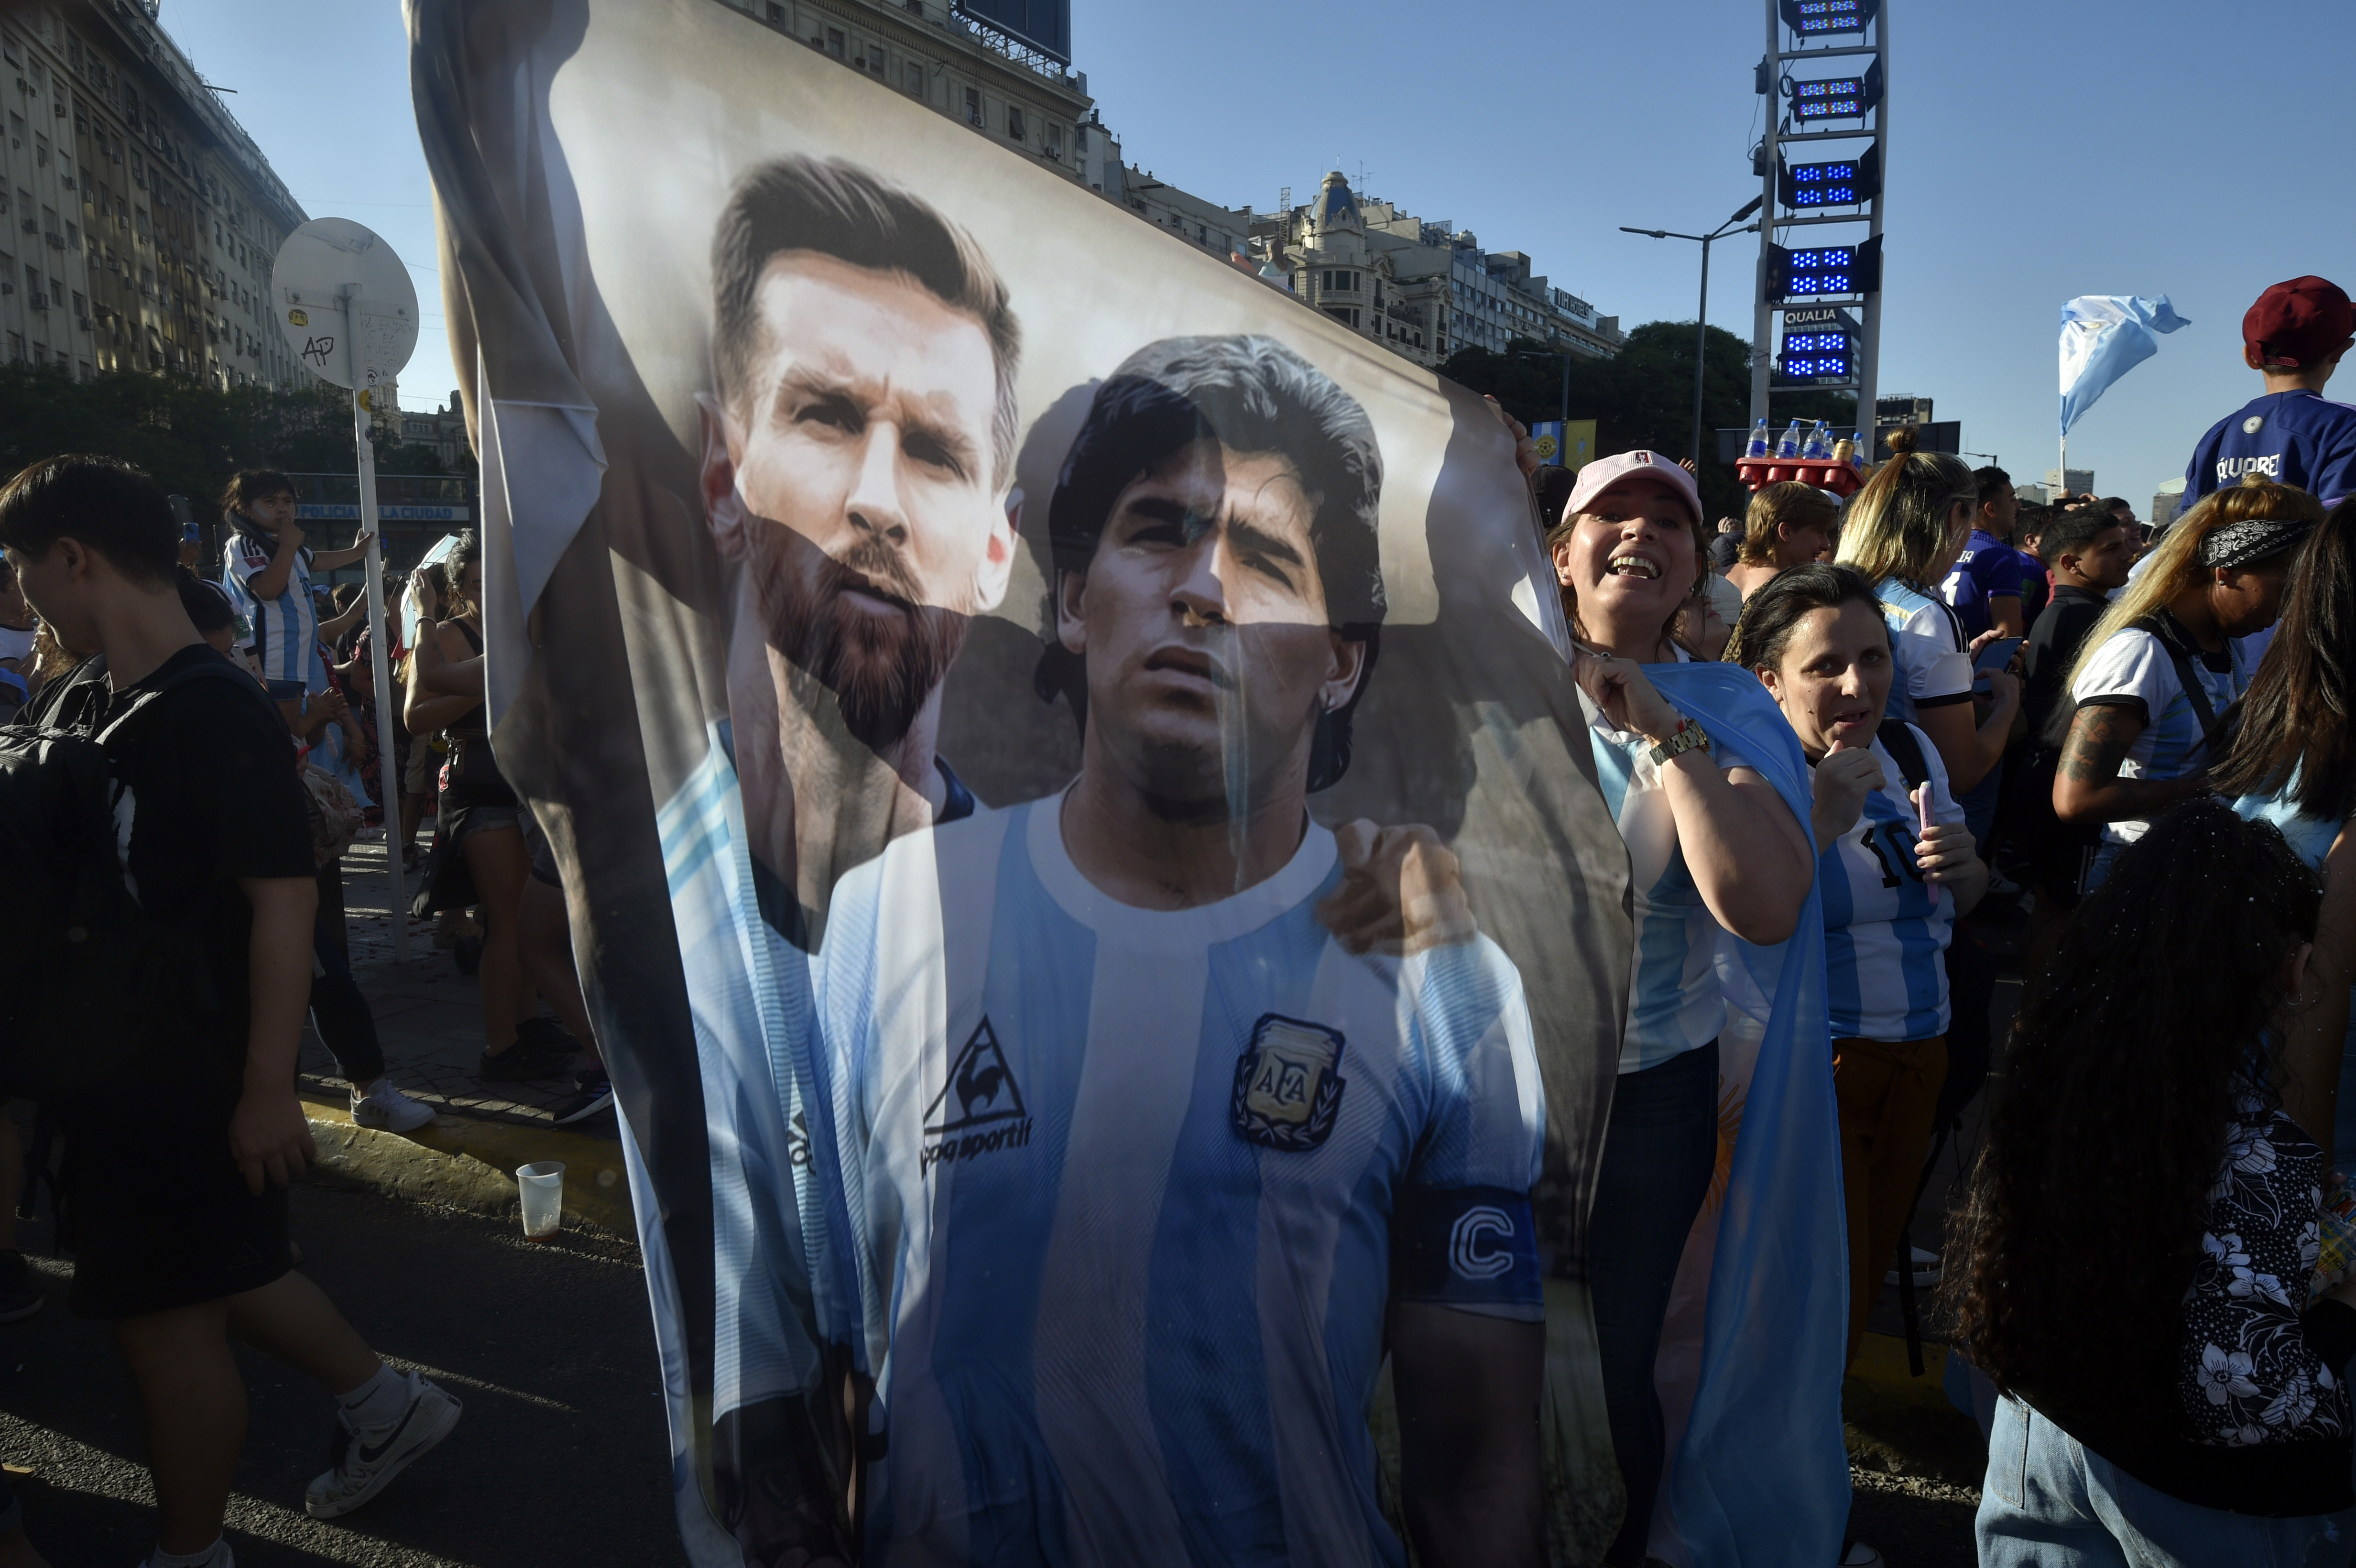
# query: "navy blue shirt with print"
2291,438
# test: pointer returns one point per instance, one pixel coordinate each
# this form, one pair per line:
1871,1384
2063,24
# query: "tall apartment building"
1415,286
138,221
971,73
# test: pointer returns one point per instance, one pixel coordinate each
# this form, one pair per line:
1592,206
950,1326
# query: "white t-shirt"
1926,642
15,644
1886,929
2133,670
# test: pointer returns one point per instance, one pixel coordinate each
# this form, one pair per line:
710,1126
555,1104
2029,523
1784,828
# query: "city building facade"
444,429
138,221
969,72
1416,287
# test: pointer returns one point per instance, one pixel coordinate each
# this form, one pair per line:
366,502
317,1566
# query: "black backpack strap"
1897,738
2164,631
203,669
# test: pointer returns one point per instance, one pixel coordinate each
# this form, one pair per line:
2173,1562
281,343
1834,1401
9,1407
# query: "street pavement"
428,1016
561,1457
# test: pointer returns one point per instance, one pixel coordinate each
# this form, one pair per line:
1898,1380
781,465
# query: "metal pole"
1868,378
1701,346
379,632
1762,313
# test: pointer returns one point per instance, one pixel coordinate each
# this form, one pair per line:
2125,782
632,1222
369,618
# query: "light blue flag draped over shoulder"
2104,336
1761,1477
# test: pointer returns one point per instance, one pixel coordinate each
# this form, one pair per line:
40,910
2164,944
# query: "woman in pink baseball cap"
1711,845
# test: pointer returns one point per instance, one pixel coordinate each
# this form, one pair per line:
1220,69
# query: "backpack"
95,995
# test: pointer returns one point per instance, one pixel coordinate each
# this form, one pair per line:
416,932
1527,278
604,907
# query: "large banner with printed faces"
1079,833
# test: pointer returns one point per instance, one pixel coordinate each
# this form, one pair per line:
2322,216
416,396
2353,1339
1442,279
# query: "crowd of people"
2141,736
2139,739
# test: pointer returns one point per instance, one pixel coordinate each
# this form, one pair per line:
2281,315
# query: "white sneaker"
387,1107
222,1557
363,1462
1857,1554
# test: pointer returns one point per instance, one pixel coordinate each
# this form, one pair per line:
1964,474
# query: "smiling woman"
1710,846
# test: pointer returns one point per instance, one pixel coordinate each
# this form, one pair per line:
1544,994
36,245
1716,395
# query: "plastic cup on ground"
542,1187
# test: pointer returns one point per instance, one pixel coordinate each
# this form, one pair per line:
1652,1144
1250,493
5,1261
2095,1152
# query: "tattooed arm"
2087,786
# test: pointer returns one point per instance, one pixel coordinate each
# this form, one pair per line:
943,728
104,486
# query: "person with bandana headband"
2154,677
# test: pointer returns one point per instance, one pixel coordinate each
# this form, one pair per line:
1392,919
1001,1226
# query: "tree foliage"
1644,397
190,438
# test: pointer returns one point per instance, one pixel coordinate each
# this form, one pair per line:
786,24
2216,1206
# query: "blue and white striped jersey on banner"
1135,1188
286,629
1927,643
1675,1004
2133,669
1761,1478
1886,929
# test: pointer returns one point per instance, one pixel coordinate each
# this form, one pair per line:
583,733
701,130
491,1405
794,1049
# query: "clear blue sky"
2038,152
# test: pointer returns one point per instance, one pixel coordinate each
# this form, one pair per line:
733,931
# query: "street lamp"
1701,326
1553,354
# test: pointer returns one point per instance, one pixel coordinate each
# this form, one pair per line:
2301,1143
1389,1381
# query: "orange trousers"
1888,1094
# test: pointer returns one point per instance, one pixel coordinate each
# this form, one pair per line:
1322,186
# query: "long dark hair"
2294,716
1777,605
2080,1226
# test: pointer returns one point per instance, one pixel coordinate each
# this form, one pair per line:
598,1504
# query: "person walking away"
2292,434
2154,677
1896,870
478,850
2133,1258
339,1012
2292,762
2087,552
1788,525
1904,531
174,1200
1712,847
266,569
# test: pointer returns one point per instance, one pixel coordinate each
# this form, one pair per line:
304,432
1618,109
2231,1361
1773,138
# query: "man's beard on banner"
881,668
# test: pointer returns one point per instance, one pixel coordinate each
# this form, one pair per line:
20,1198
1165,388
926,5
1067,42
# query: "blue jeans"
2050,1502
1658,1152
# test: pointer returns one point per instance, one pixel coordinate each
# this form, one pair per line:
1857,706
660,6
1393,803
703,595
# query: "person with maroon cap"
2292,435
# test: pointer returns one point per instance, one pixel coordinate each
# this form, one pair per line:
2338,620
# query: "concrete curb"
460,1163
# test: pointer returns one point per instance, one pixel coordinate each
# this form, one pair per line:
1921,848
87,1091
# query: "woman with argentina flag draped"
1709,789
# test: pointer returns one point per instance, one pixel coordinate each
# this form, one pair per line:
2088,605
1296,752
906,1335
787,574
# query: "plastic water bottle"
1856,452
1788,449
1759,439
1814,450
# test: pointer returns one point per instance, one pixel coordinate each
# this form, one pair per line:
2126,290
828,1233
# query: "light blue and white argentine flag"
2104,336
1760,1478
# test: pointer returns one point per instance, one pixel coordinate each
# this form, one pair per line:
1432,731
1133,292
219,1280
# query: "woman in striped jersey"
1896,866
2154,677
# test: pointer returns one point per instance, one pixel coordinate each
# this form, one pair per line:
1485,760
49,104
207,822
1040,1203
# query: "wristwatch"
1689,735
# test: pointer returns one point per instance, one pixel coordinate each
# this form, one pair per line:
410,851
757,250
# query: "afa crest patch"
1287,1091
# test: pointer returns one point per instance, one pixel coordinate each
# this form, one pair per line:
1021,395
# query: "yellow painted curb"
468,1164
